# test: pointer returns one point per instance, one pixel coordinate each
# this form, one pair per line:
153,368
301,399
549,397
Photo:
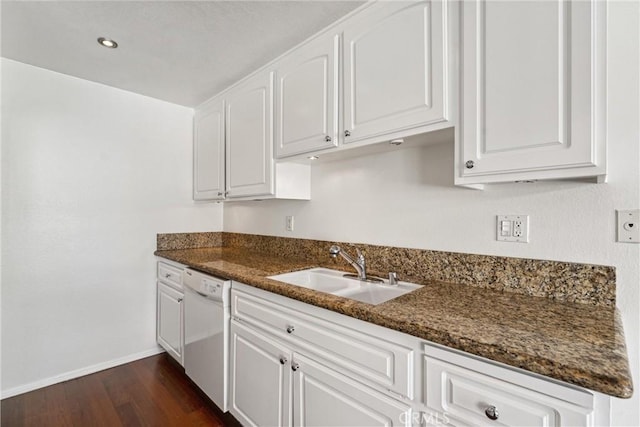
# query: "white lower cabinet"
294,364
260,378
170,326
271,385
278,380
170,310
323,397
462,391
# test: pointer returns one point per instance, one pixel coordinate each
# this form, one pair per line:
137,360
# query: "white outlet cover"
629,226
289,222
512,228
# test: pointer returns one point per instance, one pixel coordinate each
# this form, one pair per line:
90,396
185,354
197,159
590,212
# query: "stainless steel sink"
333,282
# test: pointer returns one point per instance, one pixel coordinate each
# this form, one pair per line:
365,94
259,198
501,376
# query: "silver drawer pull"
283,360
491,412
290,329
294,367
167,275
179,299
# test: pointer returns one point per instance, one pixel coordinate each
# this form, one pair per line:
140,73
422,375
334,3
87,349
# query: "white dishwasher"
206,328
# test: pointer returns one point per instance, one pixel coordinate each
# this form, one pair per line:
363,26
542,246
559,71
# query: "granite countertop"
576,343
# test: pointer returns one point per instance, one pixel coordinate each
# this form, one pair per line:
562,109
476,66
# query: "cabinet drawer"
467,396
170,275
349,351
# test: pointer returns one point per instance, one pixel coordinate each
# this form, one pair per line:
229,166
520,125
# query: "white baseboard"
79,373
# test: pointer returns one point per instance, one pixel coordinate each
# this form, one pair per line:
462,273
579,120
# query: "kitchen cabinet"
249,138
363,352
323,397
533,91
260,378
273,358
170,311
404,380
233,148
398,80
208,152
471,392
306,98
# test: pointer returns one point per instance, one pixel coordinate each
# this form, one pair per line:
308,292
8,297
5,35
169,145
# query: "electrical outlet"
629,226
512,228
289,222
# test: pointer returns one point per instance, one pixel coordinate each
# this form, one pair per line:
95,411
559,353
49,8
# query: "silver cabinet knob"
220,193
180,299
469,164
327,138
290,329
283,360
167,275
294,367
347,133
491,412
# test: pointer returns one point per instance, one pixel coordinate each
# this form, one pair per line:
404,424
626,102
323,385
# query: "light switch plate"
289,222
629,226
512,228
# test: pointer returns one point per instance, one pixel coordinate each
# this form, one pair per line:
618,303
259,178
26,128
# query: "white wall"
90,174
406,198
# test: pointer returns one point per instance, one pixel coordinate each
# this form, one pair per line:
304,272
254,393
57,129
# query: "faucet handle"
360,256
393,279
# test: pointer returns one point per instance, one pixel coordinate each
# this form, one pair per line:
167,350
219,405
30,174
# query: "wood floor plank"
13,413
150,392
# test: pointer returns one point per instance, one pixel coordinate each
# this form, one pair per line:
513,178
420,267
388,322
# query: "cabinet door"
395,68
169,327
533,90
307,98
260,378
470,398
322,397
208,152
249,138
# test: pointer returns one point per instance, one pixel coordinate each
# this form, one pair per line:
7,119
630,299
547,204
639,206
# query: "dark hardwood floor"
148,392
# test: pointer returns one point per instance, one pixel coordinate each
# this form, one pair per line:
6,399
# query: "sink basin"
333,282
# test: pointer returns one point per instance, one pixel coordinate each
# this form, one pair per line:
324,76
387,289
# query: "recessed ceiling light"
313,157
107,43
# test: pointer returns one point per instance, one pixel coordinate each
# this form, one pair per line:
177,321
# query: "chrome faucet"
359,263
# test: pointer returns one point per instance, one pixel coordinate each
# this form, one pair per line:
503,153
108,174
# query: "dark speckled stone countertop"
577,343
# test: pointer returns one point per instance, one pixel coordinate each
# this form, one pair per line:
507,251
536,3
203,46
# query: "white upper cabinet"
307,98
396,70
208,152
249,137
533,82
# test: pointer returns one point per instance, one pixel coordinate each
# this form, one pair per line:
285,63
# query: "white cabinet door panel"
532,88
466,396
323,397
169,322
208,152
394,68
260,382
249,138
351,351
307,98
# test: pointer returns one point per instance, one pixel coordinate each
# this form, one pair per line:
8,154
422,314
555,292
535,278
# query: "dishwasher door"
206,352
